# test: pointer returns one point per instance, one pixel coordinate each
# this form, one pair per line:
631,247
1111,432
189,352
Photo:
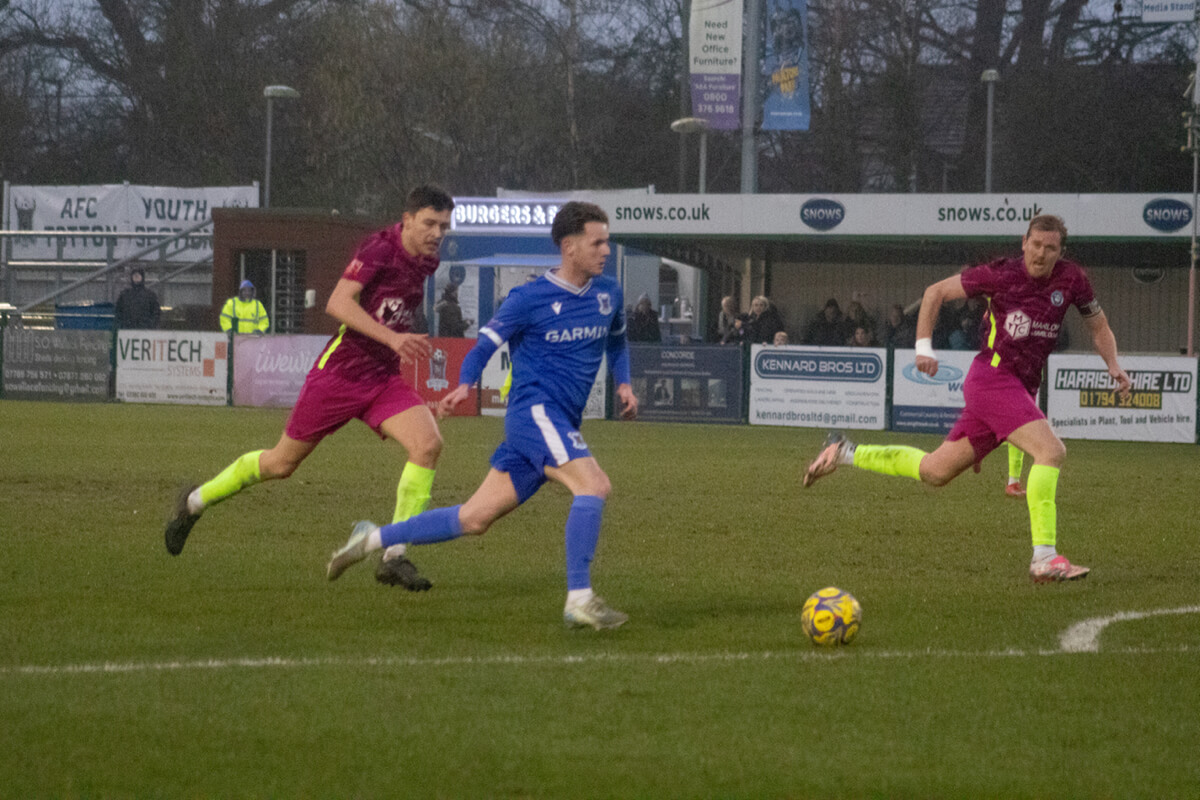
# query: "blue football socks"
430,527
583,532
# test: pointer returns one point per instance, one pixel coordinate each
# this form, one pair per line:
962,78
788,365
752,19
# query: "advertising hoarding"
818,387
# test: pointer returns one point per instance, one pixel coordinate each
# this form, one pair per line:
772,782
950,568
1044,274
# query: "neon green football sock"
1043,512
1016,462
231,480
413,491
890,459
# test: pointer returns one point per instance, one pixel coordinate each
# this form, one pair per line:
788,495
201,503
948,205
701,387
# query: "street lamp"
696,125
272,93
989,76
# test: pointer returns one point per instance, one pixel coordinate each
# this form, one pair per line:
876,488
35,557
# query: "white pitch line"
117,668
1083,637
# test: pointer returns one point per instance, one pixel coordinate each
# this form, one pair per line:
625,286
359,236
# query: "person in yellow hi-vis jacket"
244,311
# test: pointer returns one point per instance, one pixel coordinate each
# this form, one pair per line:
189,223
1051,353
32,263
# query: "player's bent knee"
600,486
275,468
474,525
427,450
937,476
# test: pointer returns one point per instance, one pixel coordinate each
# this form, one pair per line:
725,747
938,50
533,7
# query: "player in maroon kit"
1029,296
357,376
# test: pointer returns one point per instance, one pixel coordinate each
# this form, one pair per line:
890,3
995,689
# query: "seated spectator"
899,330
857,316
828,329
763,322
863,337
729,321
960,337
781,339
643,322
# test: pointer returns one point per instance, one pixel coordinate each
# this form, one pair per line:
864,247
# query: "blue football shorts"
536,437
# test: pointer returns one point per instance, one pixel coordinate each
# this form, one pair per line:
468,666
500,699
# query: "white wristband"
925,348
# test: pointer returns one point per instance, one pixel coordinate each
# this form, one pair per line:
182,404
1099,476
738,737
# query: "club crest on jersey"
605,302
1017,325
557,306
391,311
1056,298
577,440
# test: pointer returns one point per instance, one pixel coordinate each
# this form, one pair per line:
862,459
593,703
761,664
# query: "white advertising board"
925,404
941,215
183,367
270,370
1083,402
818,387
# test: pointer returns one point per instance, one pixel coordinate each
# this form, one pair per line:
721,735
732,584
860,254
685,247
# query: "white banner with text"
1083,402
115,208
186,367
818,387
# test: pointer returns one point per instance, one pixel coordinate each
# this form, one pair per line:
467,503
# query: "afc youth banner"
270,370
1161,407
785,67
818,387
183,367
715,62
687,384
114,208
924,404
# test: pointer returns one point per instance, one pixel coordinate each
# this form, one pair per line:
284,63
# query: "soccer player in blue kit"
558,329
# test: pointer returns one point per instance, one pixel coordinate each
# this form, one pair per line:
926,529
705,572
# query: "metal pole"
267,170
750,98
987,172
1193,132
1191,315
703,159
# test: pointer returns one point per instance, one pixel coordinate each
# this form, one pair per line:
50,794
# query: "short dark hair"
1048,223
428,196
573,217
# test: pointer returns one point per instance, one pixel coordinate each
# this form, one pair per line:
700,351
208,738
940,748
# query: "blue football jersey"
557,335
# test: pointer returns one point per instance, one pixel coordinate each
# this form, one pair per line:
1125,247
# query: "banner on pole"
785,64
715,62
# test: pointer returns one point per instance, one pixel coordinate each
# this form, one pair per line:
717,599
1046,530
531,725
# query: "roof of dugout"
1131,229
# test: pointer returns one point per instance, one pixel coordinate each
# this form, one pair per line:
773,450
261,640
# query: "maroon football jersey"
393,284
1025,314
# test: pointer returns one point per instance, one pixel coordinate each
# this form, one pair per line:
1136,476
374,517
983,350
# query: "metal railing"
160,258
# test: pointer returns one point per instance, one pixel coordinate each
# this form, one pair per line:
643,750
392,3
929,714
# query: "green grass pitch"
237,670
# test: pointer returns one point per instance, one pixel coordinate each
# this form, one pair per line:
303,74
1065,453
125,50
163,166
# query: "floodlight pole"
696,125
272,92
989,76
1193,132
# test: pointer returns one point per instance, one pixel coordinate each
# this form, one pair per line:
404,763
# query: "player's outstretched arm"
1105,343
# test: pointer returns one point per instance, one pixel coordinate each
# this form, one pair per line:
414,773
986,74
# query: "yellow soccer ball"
831,617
